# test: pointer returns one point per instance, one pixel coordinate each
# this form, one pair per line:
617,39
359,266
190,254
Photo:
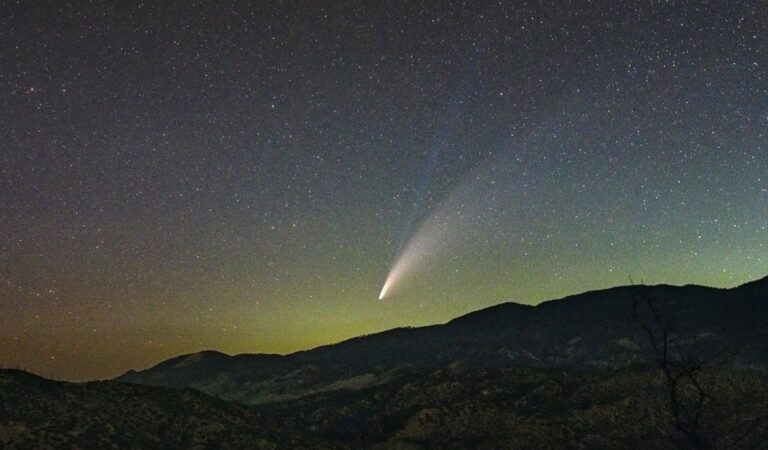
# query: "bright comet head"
384,289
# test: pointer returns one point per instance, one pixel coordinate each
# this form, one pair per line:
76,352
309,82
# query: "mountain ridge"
591,329
760,282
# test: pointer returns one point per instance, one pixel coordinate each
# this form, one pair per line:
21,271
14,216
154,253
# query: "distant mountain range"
593,330
571,373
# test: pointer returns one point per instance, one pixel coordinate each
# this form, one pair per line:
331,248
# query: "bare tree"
684,392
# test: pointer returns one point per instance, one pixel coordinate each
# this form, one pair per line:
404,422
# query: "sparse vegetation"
512,407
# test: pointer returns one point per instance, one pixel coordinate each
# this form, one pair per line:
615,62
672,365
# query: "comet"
489,192
429,239
443,231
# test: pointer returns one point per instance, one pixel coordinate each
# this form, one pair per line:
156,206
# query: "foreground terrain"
447,408
40,413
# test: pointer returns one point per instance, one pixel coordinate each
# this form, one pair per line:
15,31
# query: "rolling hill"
37,413
453,408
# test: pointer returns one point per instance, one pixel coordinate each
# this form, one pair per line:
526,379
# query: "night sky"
242,176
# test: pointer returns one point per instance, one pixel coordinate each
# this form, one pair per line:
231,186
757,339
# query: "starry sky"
241,176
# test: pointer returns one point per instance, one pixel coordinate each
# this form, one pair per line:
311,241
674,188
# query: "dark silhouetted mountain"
595,330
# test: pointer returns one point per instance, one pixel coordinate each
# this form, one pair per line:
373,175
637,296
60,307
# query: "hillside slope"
454,408
43,414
